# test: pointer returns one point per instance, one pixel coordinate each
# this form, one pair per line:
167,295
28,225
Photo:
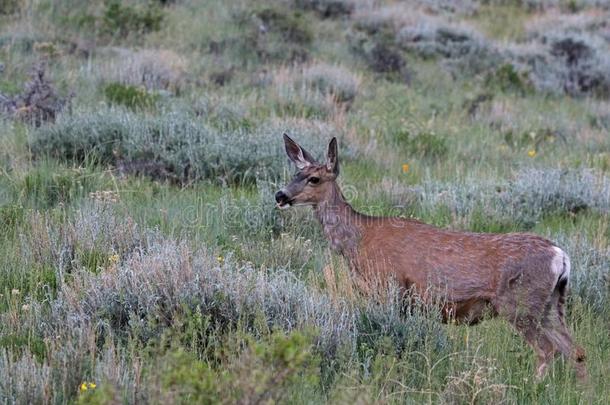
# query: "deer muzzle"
282,199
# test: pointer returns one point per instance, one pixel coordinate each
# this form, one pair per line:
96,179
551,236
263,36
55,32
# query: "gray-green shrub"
335,80
590,274
328,8
566,62
155,279
464,49
524,200
174,145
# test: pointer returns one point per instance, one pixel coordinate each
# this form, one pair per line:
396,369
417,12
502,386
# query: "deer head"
313,181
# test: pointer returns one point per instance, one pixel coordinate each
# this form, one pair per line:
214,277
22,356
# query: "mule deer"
520,277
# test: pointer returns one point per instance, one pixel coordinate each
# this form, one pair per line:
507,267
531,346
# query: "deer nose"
281,197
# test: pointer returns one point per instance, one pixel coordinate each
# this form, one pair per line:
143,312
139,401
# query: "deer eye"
314,180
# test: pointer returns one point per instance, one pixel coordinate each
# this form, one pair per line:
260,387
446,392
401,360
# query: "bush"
507,78
575,64
229,293
161,279
328,8
38,103
290,26
275,34
334,80
261,372
531,195
174,146
121,20
424,144
465,49
129,96
536,192
384,58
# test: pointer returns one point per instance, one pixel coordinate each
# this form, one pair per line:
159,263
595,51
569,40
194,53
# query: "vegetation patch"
334,80
130,96
142,255
153,69
38,103
506,78
121,20
575,64
275,34
423,144
175,146
328,8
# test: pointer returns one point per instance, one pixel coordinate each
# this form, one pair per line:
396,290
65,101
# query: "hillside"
143,259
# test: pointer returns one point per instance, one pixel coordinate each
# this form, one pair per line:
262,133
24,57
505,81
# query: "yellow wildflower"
220,259
531,153
405,167
87,385
113,259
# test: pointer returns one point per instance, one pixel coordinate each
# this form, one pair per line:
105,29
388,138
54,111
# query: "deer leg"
560,335
543,347
564,342
546,354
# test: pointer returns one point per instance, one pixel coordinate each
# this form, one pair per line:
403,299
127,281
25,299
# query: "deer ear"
332,159
298,155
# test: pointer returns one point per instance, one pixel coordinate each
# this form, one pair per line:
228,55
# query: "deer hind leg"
534,334
562,340
527,309
560,335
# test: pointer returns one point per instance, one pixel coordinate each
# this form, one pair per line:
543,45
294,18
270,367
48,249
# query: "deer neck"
341,223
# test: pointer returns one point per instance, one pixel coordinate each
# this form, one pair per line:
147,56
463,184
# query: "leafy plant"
120,20
423,144
328,8
130,96
506,78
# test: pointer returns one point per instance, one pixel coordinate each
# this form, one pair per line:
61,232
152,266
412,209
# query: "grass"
141,253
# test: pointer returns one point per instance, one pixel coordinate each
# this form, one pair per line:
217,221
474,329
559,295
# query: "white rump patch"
560,266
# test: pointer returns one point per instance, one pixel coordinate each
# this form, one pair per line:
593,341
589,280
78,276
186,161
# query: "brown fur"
516,276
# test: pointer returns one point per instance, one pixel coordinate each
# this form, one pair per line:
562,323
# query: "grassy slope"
191,356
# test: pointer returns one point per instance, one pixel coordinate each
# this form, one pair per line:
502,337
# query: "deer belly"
469,311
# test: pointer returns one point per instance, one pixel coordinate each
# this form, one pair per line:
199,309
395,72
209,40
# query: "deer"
520,277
